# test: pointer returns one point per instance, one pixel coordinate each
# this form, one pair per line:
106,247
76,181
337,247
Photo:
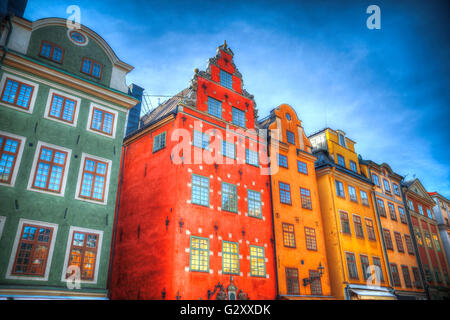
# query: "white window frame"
18,159
65,95
97,258
2,225
80,177
91,111
16,244
34,167
33,96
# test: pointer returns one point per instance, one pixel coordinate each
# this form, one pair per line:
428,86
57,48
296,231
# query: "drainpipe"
381,235
5,47
116,217
416,247
273,221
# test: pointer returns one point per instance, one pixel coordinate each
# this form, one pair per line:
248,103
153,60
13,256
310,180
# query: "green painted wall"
73,54
51,208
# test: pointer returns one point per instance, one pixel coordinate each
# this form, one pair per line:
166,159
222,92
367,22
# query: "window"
51,51
406,276
229,197
396,189
290,137
50,167
285,193
199,254
359,231
257,262
226,79
353,166
341,140
230,257
387,187
62,108
200,190
411,205
417,280
252,157
238,117
201,140
292,281
370,230
77,38
436,242
352,194
418,237
310,237
402,214
395,275
377,262
340,189
159,142
364,198
83,253
316,284
388,239
32,250
409,245
215,107
345,223
305,195
302,167
381,209
288,116
10,154
351,266
288,235
399,241
228,149
392,211
102,121
94,179
429,214
282,161
420,209
91,67
375,179
341,160
254,204
364,265
427,239
428,274
17,93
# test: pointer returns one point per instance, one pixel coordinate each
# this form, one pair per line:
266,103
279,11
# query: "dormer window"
290,137
341,160
341,140
51,51
238,117
91,67
288,116
226,79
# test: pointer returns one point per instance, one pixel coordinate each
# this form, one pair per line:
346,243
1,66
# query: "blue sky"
387,89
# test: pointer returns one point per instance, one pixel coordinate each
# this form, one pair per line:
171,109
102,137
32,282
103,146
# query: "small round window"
77,38
288,116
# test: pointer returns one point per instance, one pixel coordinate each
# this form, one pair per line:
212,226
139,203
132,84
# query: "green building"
63,112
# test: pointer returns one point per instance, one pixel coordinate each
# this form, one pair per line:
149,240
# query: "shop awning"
373,294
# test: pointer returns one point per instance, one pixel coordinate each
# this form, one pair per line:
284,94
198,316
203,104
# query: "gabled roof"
416,187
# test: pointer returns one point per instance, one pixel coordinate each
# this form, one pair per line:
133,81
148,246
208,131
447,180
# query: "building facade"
442,216
303,271
432,259
396,229
194,214
63,108
351,228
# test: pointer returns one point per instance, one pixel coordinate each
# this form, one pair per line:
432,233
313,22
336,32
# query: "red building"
427,240
194,217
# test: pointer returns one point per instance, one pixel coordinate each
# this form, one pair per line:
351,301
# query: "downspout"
416,248
5,47
381,235
116,217
273,221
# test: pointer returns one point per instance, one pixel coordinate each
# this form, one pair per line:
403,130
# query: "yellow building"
303,271
352,238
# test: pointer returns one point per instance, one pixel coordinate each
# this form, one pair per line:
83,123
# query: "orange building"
353,242
302,268
396,229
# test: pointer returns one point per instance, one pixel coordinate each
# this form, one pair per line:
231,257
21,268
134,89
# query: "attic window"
288,116
226,79
341,140
77,38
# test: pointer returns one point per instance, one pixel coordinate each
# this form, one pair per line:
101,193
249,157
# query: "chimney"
135,112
